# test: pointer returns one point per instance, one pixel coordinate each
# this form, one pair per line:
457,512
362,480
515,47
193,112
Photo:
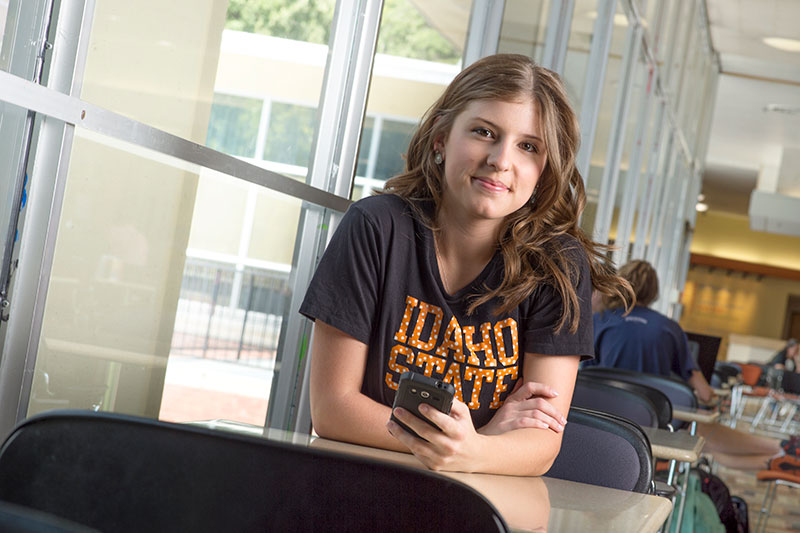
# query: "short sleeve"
343,291
683,364
547,307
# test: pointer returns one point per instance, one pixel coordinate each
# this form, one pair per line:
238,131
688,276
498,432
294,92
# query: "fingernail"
560,427
554,392
563,420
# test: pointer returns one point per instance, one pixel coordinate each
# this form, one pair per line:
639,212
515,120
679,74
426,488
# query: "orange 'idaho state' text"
474,361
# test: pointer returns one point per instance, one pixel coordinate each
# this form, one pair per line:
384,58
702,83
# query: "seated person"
787,359
647,341
470,268
643,339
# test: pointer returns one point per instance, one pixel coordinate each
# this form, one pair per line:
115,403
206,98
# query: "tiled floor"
785,515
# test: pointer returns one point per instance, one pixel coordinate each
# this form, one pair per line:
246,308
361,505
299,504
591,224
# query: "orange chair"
750,375
775,478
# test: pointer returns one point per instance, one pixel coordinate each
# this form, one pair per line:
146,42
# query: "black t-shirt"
379,282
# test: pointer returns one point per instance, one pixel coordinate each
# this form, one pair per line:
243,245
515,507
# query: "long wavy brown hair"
529,237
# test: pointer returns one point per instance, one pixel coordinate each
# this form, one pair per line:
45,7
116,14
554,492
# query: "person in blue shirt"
644,340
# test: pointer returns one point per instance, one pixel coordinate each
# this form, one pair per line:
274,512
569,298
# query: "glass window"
394,139
170,282
419,52
611,85
579,44
523,30
233,125
290,134
365,148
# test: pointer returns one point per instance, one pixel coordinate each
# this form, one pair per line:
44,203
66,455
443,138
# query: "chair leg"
766,507
761,412
789,418
684,491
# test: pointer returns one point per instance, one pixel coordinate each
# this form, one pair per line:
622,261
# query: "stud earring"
437,157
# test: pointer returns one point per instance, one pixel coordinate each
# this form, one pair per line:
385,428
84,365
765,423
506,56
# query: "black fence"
228,314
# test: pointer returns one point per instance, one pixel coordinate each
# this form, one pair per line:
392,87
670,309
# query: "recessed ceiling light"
789,45
701,207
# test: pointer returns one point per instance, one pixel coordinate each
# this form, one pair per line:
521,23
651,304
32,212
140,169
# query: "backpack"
699,513
741,514
732,513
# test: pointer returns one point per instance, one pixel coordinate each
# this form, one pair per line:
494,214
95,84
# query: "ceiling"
744,137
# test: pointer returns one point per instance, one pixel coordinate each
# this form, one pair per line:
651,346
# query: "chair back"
679,392
751,373
127,474
603,449
639,403
790,382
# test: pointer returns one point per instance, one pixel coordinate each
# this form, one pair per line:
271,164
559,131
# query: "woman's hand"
526,407
455,446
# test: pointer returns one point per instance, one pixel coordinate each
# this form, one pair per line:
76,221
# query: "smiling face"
493,155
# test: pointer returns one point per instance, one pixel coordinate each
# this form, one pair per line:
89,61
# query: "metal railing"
228,313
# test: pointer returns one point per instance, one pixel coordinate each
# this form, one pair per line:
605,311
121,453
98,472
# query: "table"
526,503
695,415
542,503
677,445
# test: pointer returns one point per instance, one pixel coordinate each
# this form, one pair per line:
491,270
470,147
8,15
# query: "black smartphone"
415,389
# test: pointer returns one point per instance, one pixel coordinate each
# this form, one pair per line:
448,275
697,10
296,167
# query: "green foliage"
404,31
301,20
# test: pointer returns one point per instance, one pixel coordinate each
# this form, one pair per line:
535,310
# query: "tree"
403,31
301,20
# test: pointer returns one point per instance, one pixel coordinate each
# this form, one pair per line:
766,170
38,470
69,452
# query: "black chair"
642,404
790,382
17,519
603,449
679,392
723,371
121,473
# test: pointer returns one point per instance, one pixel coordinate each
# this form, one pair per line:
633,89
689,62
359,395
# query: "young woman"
469,268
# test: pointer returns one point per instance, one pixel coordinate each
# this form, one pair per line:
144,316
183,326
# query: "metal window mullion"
558,25
684,51
686,252
656,234
709,100
483,33
616,142
263,128
75,111
673,235
38,240
673,31
634,176
341,114
644,207
593,87
681,98
374,146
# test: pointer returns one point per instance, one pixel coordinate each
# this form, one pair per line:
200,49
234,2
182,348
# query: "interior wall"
724,303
